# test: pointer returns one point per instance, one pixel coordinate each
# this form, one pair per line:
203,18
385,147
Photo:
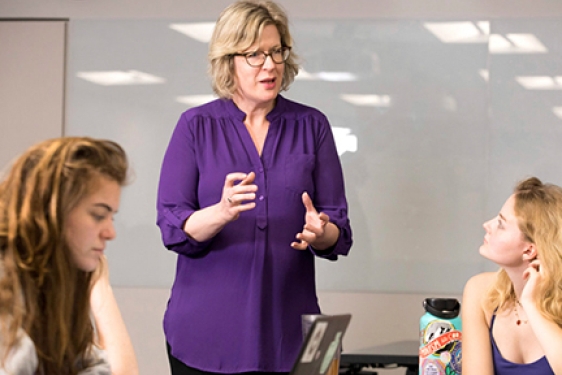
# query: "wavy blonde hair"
238,27
41,290
538,209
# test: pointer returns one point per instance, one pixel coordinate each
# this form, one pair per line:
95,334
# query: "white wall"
32,61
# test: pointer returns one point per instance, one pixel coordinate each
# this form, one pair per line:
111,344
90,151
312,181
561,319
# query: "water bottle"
440,337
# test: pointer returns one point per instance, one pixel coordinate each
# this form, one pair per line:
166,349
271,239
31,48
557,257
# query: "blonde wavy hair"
41,290
538,209
238,27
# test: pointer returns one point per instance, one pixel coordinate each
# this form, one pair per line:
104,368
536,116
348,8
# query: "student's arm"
111,330
476,346
548,333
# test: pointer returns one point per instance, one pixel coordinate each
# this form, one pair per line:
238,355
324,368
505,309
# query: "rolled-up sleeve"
329,194
177,190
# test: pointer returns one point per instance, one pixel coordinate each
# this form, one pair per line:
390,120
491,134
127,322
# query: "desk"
396,354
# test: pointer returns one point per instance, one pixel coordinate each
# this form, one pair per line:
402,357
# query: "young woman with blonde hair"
56,214
512,319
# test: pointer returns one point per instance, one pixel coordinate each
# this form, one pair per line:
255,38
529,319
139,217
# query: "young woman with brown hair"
56,213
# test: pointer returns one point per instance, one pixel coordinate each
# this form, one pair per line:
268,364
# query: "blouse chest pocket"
299,173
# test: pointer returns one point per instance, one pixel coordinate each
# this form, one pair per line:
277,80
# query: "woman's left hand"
314,230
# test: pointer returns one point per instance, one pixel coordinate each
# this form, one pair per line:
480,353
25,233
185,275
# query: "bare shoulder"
480,283
476,345
475,291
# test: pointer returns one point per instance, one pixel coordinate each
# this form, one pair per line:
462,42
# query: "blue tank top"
505,367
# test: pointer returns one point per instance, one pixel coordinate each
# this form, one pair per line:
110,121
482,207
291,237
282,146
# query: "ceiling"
309,9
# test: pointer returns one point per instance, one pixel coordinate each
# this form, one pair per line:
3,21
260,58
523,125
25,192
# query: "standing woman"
56,214
512,319
251,190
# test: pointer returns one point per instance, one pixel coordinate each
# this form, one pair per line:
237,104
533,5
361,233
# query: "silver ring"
229,200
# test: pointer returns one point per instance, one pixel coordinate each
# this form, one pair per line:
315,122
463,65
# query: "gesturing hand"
314,229
238,197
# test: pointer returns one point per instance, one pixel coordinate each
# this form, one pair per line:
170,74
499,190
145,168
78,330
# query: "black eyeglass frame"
284,49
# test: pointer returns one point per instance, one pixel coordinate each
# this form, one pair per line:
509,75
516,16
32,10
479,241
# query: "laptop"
323,339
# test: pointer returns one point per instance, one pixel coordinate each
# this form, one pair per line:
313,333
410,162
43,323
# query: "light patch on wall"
485,74
367,100
336,76
449,103
460,32
345,141
195,100
479,32
557,112
540,82
303,75
326,76
200,31
515,43
119,77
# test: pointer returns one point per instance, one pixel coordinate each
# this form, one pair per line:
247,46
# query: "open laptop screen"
320,344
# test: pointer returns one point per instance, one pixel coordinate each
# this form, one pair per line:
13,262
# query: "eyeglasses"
257,58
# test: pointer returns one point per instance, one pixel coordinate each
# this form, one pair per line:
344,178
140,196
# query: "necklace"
519,320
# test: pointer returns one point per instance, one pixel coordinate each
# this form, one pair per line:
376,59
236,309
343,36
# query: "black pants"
177,367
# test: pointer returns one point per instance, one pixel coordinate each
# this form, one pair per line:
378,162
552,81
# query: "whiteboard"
433,134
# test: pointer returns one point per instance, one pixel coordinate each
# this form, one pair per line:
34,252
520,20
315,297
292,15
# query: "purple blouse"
237,299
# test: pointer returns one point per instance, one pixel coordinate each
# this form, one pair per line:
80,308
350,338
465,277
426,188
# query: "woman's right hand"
532,276
238,194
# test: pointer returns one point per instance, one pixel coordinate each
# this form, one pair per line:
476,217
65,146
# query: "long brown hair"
41,290
538,209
